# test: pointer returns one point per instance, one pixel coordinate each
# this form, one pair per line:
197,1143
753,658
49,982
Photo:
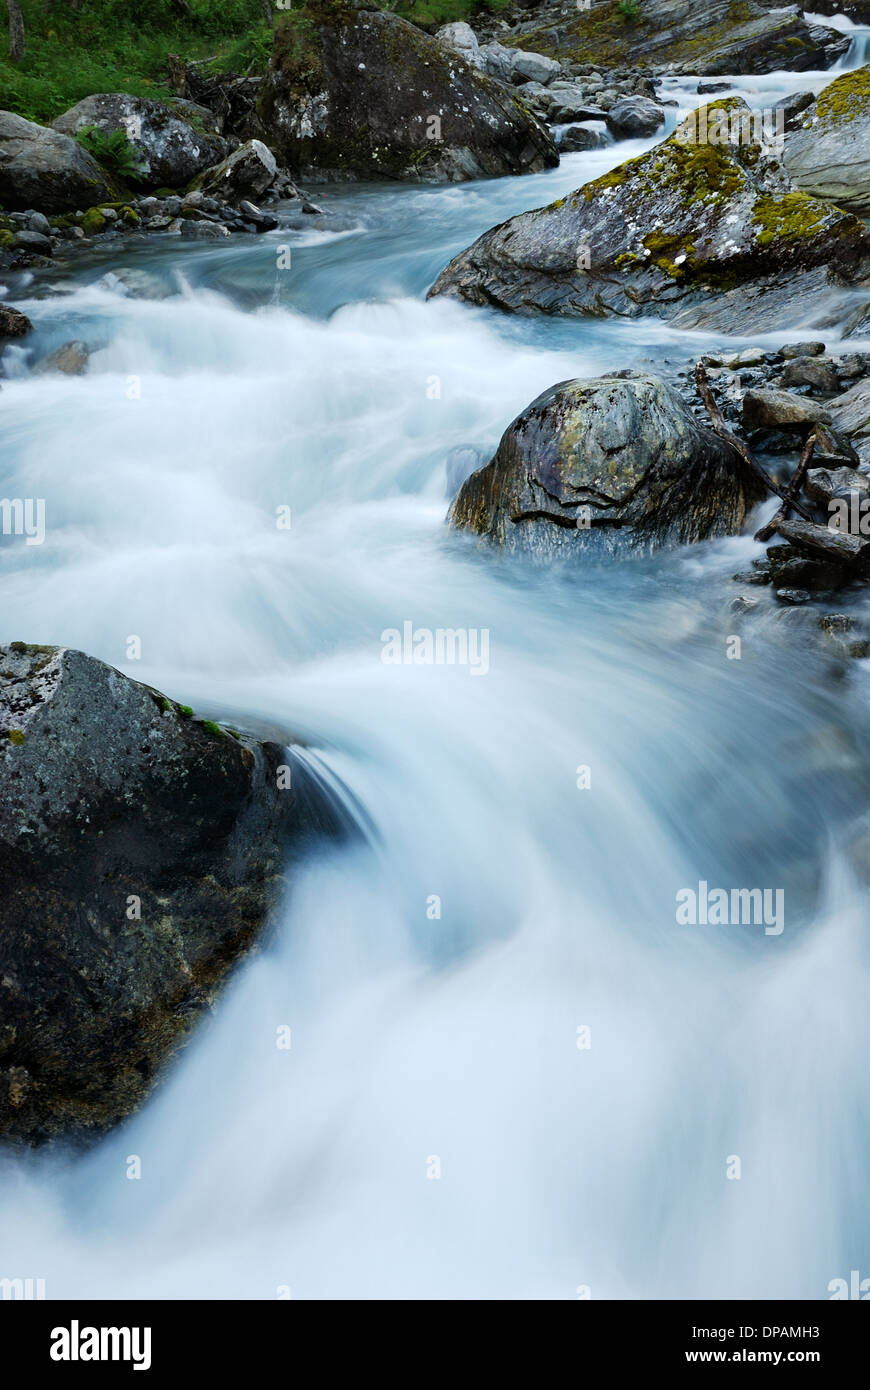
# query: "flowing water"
455,1044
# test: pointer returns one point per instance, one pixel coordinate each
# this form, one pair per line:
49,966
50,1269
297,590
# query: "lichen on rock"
663,233
361,93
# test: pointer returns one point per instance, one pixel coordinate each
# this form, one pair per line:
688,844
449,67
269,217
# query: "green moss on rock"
94,222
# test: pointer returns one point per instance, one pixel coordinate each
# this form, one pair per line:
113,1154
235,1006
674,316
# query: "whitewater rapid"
435,1130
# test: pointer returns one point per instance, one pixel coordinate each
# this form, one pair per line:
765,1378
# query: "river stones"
695,219
361,93
634,116
44,169
617,463
829,155
141,852
173,141
13,324
770,408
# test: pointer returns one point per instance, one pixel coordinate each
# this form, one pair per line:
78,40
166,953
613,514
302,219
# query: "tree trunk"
267,12
16,30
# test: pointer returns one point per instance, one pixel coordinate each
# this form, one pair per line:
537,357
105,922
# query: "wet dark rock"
247,173
203,231
371,96
634,116
32,241
42,169
825,485
793,596
13,324
828,541
813,372
773,409
851,417
792,106
614,463
571,106
793,567
578,137
802,350
141,853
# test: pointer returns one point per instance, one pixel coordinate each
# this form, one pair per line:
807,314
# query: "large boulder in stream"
829,154
720,36
361,93
614,464
43,169
174,141
141,852
689,224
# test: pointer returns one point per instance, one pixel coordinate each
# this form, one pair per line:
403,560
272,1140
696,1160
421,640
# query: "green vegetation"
212,727
793,217
78,47
629,9
431,14
114,151
846,98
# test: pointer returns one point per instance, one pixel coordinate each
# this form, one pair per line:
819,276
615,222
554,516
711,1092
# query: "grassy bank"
77,47
113,46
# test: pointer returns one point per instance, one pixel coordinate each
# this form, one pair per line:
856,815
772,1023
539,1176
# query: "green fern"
113,151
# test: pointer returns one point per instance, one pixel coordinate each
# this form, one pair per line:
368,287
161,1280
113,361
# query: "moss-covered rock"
664,232
94,222
720,36
362,93
829,155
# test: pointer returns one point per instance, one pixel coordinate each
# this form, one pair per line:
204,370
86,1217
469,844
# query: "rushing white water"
334,389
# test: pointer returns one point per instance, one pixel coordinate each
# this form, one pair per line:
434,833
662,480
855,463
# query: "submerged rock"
71,359
668,232
173,141
42,168
829,155
141,852
615,463
361,93
13,324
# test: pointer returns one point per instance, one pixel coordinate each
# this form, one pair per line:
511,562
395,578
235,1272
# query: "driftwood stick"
702,381
791,491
